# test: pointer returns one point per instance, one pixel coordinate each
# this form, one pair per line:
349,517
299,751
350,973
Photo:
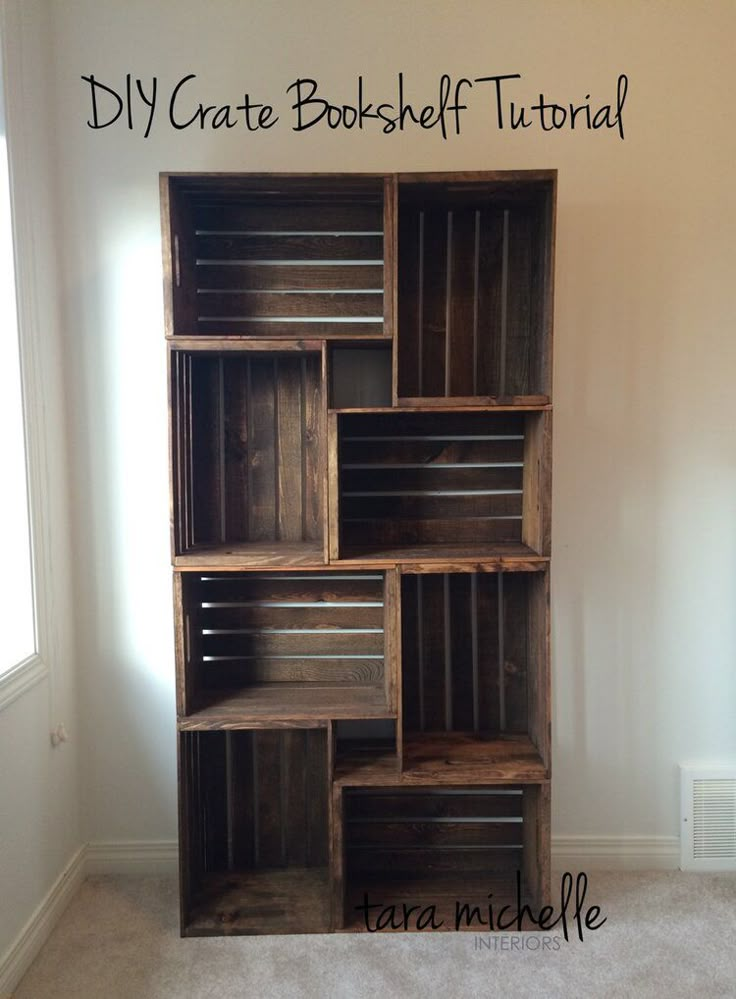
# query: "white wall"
39,794
643,533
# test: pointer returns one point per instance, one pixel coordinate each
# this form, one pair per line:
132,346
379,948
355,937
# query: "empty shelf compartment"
275,256
247,441
452,849
475,300
290,645
475,676
253,832
451,482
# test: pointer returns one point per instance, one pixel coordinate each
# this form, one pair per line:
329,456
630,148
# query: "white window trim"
35,668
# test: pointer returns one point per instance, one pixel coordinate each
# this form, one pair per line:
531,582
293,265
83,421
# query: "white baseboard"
132,857
613,853
114,857
616,853
18,958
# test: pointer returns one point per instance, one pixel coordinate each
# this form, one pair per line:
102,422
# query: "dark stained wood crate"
254,832
247,449
268,257
445,848
475,294
440,481
475,675
287,647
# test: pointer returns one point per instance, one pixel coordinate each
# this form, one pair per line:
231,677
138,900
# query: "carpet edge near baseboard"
156,857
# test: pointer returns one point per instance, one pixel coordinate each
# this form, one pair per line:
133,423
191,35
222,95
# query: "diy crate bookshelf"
360,436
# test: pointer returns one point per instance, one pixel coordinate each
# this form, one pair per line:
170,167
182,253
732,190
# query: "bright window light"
18,637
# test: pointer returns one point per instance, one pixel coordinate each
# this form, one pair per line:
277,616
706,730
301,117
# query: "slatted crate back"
426,478
255,258
264,795
287,629
417,834
475,291
254,801
247,448
465,652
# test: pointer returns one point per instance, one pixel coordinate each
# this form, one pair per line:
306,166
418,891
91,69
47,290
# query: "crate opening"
474,300
360,377
291,257
474,672
292,644
415,483
447,848
255,810
248,441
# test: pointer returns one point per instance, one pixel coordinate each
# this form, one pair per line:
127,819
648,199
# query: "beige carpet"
667,934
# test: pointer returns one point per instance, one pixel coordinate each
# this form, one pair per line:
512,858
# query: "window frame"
28,672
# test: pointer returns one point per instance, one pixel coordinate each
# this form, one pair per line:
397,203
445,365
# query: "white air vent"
708,826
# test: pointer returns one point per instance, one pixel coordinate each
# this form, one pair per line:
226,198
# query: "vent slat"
708,839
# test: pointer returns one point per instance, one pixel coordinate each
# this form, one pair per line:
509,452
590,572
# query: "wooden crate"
475,676
449,852
254,832
275,256
412,485
256,648
247,450
475,295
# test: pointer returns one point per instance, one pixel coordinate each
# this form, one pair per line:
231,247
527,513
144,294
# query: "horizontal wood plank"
376,538
482,860
453,555
447,425
293,588
283,705
436,834
255,555
233,216
289,277
255,305
240,673
439,804
290,247
457,758
442,505
298,328
293,643
428,452
322,618
441,476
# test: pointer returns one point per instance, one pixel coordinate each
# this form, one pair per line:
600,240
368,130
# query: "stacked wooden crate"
360,388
